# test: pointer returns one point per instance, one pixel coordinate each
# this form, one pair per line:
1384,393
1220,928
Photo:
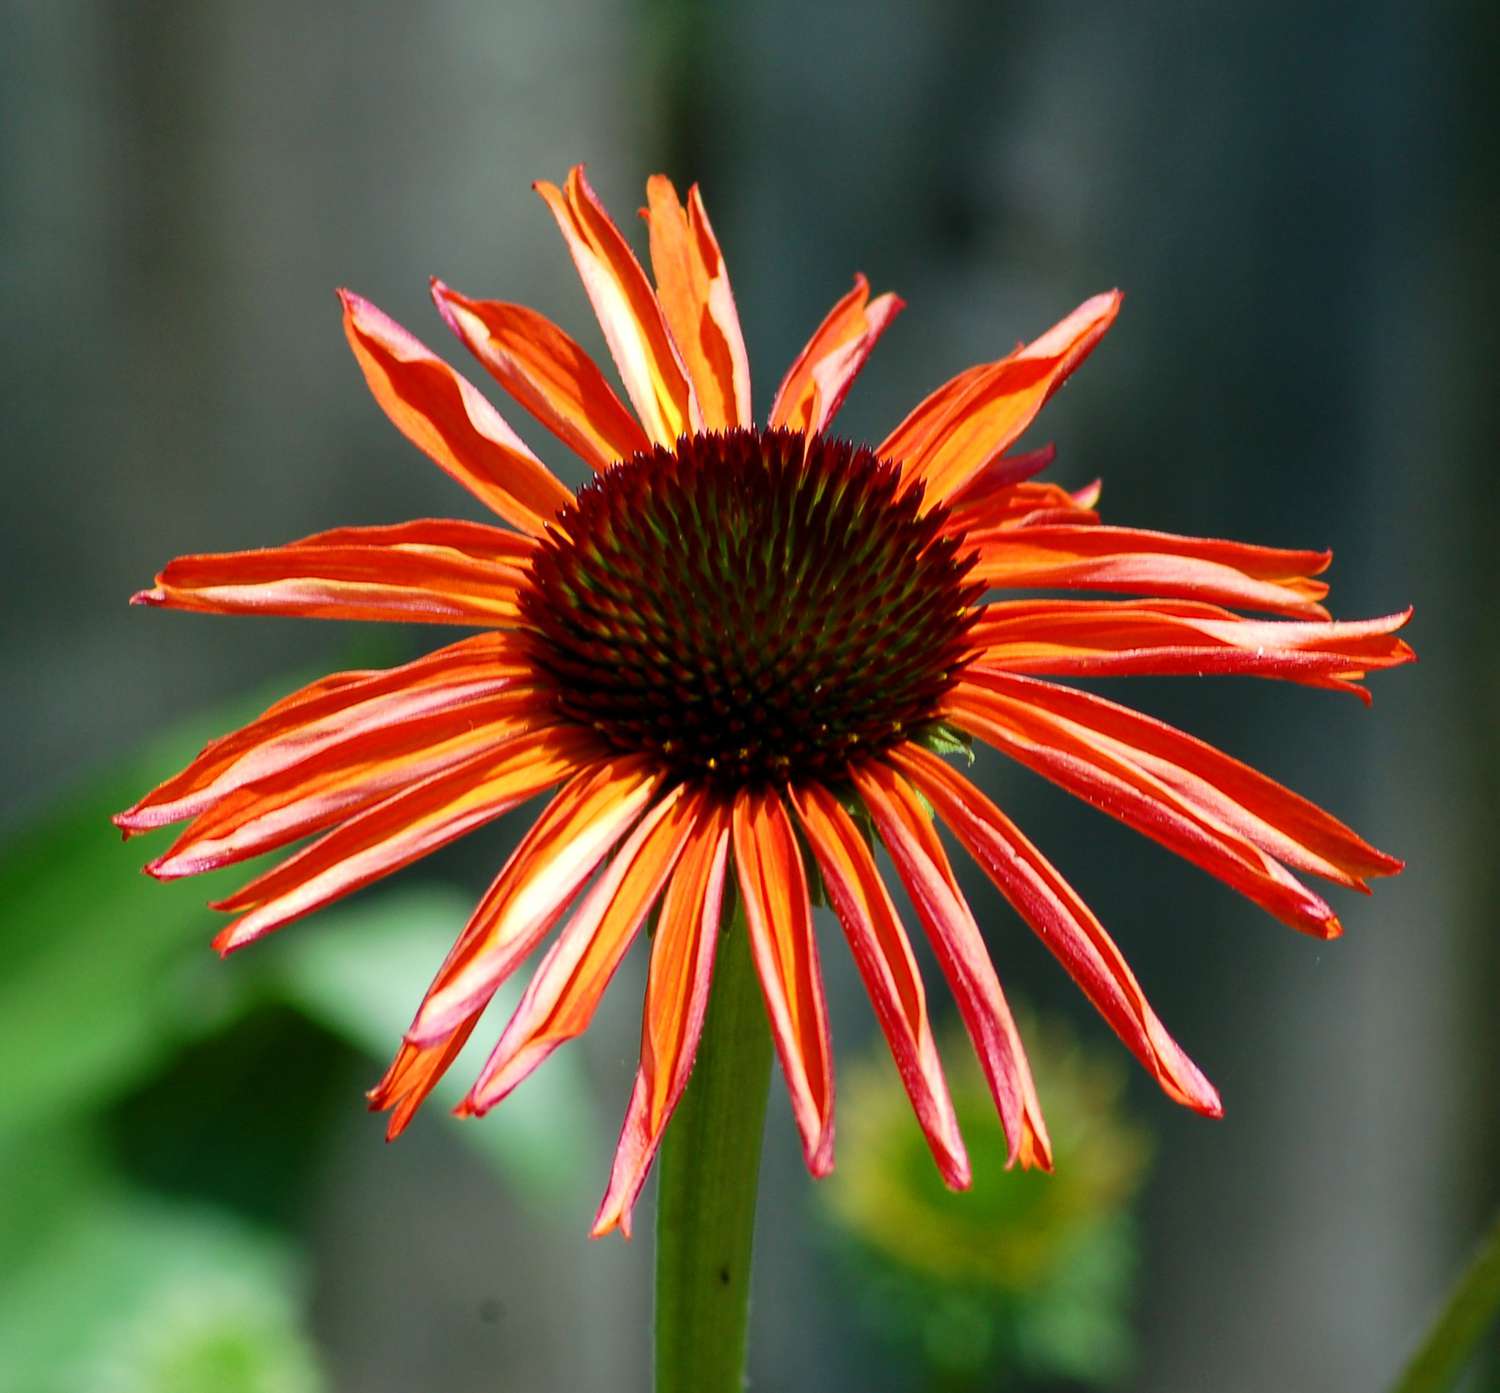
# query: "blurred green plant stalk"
709,1173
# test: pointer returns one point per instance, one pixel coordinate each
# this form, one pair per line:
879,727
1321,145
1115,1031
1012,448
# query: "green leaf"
107,971
1470,1309
943,739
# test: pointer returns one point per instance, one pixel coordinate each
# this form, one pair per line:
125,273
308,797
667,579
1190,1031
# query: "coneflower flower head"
734,655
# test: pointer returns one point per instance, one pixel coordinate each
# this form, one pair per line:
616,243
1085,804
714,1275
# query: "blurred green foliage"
148,1219
1026,1272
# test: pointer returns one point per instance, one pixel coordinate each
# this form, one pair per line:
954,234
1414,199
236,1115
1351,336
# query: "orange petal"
554,859
1113,638
692,286
1061,920
349,777
956,433
820,376
1161,564
548,373
922,427
773,882
682,962
415,1072
323,715
1104,773
445,417
1270,817
923,866
401,829
561,998
627,310
885,961
431,572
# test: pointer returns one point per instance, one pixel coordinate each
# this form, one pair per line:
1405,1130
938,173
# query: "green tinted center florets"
750,607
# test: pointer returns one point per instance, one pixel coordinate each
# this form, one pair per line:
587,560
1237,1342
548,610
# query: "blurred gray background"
1299,205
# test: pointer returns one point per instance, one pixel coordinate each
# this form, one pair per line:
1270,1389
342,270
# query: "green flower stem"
1470,1308
708,1173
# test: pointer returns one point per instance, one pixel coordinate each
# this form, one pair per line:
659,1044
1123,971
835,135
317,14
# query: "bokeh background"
1301,203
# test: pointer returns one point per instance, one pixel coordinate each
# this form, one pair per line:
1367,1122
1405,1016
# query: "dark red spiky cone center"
751,607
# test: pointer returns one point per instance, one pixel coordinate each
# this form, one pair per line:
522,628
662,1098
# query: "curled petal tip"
155,596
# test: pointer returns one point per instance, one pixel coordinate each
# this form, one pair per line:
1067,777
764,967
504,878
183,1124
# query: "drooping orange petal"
885,961
1131,560
922,863
446,417
536,885
400,829
655,380
561,998
1061,920
778,913
431,572
548,373
820,376
1272,818
953,435
682,962
692,286
1104,775
1113,638
353,775
326,713
415,1072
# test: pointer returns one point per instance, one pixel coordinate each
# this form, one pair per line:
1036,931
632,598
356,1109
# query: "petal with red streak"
320,717
923,866
778,914
561,998
1160,564
820,376
628,312
946,443
692,286
1104,774
554,859
447,418
1061,920
889,970
400,829
677,990
1113,638
421,572
548,373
